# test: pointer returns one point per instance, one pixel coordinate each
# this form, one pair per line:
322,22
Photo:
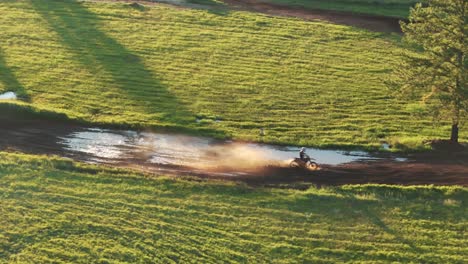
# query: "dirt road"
369,22
373,23
206,158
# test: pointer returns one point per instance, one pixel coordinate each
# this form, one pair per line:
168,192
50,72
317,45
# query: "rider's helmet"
303,149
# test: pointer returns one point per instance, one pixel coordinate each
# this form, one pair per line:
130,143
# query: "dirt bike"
307,164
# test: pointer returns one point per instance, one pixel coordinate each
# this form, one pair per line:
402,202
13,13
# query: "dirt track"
385,172
438,168
414,172
373,23
369,22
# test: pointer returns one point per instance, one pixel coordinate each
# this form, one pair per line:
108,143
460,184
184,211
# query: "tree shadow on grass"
78,29
8,78
369,210
348,207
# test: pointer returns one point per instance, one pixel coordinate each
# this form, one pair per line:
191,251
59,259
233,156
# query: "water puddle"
401,159
182,150
385,146
8,96
157,151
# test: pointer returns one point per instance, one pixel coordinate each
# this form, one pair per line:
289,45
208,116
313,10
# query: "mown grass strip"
54,210
305,83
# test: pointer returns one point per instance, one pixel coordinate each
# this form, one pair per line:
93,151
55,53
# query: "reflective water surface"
159,151
8,96
168,149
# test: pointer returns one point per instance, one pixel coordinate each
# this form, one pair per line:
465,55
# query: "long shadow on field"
351,208
371,213
8,78
79,30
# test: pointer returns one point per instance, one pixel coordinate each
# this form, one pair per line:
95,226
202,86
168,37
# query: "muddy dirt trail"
372,23
257,164
369,22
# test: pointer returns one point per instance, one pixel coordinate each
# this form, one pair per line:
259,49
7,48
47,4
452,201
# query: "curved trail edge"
370,22
438,168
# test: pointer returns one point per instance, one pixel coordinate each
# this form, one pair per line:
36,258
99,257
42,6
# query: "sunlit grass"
308,83
53,210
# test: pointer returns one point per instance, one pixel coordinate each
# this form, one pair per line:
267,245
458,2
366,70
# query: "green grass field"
225,74
391,8
55,211
308,83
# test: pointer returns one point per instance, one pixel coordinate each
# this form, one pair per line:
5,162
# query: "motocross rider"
303,156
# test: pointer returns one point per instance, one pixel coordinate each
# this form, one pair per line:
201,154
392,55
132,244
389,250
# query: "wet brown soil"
369,22
47,137
413,172
373,23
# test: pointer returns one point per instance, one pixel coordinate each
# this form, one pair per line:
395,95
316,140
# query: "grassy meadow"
226,74
391,8
56,211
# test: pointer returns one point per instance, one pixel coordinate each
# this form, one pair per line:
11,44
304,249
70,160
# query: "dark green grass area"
229,74
390,8
56,211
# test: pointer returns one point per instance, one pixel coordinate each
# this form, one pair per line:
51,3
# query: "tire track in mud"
47,137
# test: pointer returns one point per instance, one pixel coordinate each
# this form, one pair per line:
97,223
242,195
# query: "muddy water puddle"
8,96
159,150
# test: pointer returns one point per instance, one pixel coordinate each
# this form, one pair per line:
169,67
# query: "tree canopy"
437,73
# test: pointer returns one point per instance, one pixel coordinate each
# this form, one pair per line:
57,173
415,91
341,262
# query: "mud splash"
157,150
113,146
256,164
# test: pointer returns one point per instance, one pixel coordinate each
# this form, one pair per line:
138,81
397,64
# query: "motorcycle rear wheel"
312,165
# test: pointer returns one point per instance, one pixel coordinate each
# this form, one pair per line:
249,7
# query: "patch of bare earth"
369,22
442,167
373,23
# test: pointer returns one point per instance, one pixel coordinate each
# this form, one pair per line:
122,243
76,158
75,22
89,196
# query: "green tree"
438,71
